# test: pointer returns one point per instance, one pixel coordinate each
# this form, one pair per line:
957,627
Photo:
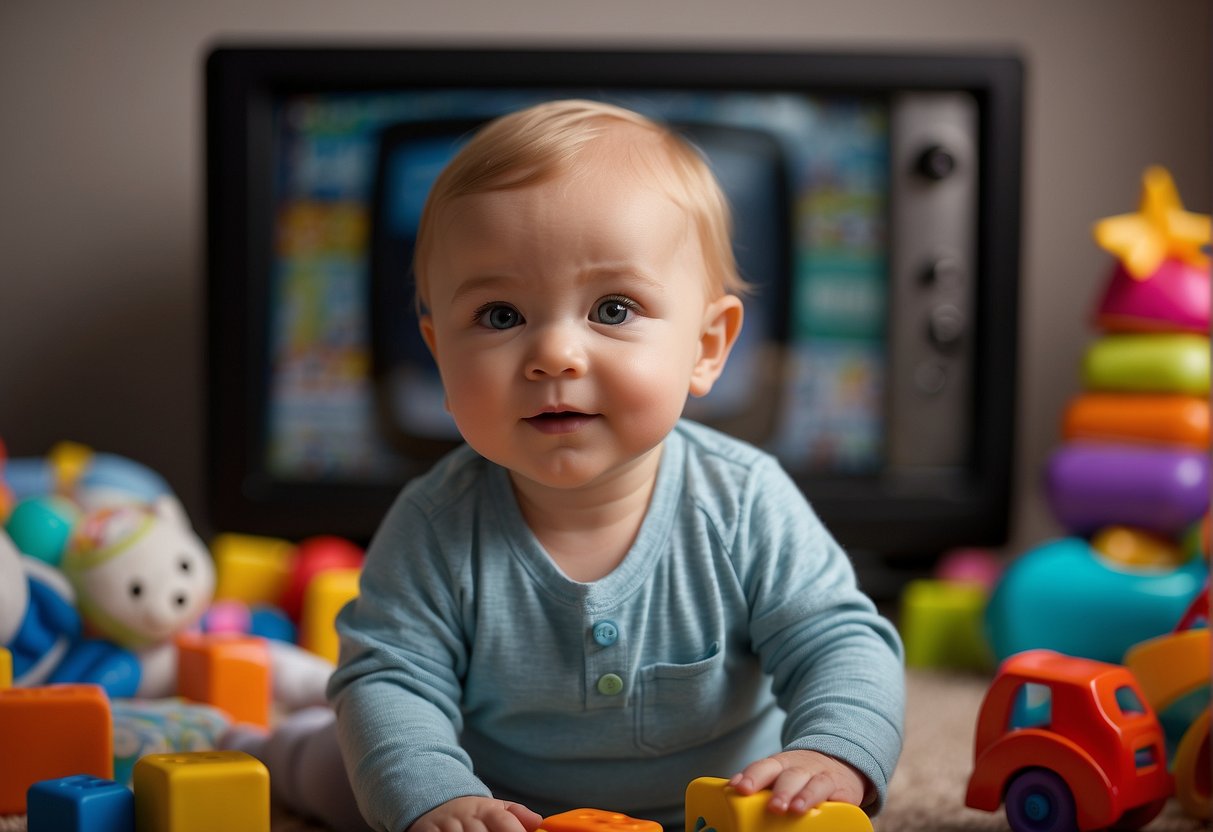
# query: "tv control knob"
946,325
930,377
936,162
943,272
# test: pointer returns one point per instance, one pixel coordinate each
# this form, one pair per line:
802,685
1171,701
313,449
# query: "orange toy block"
324,597
596,820
250,568
201,791
228,670
51,732
1152,418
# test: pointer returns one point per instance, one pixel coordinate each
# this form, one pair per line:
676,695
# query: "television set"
876,202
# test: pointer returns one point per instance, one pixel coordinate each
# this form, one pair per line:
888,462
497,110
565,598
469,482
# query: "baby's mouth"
560,421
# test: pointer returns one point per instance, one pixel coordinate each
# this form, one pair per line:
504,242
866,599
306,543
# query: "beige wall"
101,284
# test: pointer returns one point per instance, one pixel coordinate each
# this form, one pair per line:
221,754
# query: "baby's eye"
498,316
613,311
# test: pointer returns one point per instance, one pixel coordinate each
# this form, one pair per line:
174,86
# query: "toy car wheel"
1139,817
1040,801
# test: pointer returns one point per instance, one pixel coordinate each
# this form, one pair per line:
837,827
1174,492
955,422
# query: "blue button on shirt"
605,633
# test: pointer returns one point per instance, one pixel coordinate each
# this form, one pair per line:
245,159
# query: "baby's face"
566,321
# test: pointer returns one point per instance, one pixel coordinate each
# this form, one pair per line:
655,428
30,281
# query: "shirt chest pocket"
682,705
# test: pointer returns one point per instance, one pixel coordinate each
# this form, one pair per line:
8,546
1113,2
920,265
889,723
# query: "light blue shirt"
732,629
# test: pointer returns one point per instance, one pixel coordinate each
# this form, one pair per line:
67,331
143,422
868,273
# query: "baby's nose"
556,350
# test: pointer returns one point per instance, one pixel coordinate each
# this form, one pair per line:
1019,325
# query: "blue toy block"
271,622
80,803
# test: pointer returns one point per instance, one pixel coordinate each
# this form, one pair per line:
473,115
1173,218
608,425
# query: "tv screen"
875,205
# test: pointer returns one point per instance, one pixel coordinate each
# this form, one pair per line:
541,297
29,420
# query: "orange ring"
1170,666
1192,769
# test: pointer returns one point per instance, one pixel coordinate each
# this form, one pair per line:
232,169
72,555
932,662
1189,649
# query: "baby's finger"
818,788
787,787
530,820
756,776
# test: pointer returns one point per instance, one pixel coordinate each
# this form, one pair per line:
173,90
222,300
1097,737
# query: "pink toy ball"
971,565
313,556
227,617
41,527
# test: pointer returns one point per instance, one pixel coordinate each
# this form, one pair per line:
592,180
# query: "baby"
594,601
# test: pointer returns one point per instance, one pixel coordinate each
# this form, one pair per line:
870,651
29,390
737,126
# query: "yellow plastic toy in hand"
712,805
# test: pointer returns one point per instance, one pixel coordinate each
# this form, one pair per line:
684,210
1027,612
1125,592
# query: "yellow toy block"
201,791
250,568
712,805
6,668
324,597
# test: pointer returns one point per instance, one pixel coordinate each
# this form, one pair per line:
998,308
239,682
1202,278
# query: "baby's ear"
721,326
426,324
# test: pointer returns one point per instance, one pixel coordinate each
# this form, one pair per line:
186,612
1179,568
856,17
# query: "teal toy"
41,526
1064,596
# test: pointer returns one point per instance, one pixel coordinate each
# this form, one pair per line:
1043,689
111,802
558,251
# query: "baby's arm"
799,780
834,662
477,814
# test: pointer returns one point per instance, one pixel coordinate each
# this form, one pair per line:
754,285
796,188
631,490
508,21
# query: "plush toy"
41,629
141,575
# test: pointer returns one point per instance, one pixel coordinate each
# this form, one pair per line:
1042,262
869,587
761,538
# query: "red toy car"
1068,744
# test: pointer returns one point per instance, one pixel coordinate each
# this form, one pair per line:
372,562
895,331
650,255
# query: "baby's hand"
477,814
799,780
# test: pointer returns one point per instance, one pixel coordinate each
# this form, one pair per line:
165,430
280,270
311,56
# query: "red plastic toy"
1068,744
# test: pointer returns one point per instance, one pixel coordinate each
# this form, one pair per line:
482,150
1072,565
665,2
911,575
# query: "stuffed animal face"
141,575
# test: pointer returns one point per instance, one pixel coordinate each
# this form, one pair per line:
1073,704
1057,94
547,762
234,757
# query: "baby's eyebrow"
627,273
490,282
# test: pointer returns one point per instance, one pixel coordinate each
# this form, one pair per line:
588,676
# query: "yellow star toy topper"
1161,228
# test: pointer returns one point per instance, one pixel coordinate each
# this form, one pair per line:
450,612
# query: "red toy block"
228,670
51,732
313,556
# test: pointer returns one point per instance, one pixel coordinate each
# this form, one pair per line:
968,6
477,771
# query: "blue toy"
80,803
1063,596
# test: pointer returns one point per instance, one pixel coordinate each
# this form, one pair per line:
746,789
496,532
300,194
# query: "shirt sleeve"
397,687
836,665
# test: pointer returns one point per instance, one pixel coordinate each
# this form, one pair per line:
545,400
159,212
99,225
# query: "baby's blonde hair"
539,143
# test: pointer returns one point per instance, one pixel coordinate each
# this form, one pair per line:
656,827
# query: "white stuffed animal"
141,576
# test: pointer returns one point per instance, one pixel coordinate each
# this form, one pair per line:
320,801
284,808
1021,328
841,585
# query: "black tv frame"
866,515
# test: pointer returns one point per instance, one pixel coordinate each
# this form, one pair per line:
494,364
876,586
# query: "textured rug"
927,792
